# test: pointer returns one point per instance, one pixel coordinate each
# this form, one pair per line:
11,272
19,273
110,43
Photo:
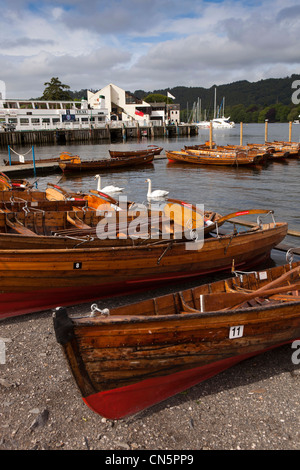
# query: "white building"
111,105
121,105
21,115
125,107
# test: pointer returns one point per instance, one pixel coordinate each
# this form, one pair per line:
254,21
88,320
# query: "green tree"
55,90
294,113
238,113
157,98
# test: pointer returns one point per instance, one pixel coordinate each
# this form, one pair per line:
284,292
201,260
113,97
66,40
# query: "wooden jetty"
107,133
29,169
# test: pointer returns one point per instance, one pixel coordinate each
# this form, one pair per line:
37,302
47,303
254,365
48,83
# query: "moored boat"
7,184
76,164
33,280
219,158
292,148
153,149
128,358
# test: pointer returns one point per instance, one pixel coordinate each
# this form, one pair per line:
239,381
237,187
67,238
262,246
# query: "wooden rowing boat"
292,148
6,184
34,280
153,149
76,164
63,156
128,358
269,152
71,224
207,157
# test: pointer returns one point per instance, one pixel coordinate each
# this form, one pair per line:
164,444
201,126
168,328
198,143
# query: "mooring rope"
19,154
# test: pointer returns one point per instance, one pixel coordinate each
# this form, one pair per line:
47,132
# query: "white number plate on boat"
263,275
236,331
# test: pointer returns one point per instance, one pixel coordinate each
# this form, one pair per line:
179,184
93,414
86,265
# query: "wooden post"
241,134
290,131
266,130
210,134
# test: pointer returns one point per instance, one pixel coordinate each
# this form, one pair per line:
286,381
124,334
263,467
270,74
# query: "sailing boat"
218,122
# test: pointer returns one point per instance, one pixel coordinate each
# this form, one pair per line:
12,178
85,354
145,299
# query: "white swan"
158,193
107,189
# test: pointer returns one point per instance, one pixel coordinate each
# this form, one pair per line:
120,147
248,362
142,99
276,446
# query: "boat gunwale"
82,321
155,244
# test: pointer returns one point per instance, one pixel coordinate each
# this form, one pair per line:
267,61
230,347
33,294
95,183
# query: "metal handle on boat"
290,256
95,310
259,223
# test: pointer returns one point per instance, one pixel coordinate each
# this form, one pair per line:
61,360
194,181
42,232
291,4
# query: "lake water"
225,190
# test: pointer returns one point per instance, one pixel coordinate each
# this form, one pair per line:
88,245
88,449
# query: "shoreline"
252,406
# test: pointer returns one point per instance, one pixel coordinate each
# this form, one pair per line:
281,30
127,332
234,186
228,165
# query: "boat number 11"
236,331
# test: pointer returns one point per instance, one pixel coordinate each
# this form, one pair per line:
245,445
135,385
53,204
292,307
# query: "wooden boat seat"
185,307
19,227
77,222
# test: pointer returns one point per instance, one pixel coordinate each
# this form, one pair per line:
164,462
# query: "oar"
230,300
240,213
183,203
104,195
66,193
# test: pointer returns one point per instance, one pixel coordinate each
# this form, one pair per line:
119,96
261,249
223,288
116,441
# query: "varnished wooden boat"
63,156
30,162
153,149
71,224
7,184
292,148
207,157
76,164
269,152
34,280
128,358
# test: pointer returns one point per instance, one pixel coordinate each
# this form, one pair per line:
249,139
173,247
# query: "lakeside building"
111,106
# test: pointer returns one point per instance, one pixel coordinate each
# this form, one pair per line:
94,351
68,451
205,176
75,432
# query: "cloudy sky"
145,44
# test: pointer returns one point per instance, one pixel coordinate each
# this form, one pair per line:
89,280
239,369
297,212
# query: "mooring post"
266,130
241,134
9,155
33,158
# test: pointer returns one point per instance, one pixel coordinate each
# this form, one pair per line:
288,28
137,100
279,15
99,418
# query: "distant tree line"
244,101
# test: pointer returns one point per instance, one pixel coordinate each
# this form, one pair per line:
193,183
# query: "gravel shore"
252,406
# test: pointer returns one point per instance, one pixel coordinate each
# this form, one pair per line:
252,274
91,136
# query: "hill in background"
244,101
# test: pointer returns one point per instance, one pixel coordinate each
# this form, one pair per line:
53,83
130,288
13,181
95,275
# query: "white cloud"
147,44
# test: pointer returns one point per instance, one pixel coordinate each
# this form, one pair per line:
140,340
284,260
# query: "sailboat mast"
215,103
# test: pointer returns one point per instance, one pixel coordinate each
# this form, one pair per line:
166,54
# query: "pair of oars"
232,300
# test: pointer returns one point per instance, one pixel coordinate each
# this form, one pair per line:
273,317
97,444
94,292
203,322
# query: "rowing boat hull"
143,353
134,153
34,280
106,164
212,159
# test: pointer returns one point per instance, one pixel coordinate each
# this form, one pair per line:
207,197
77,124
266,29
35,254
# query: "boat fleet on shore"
60,248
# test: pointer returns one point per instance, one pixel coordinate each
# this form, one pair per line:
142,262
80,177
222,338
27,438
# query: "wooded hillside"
244,101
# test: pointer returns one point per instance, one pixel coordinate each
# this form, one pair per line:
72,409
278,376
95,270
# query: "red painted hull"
125,401
20,303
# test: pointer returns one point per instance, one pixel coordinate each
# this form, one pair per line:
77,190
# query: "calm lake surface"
225,190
